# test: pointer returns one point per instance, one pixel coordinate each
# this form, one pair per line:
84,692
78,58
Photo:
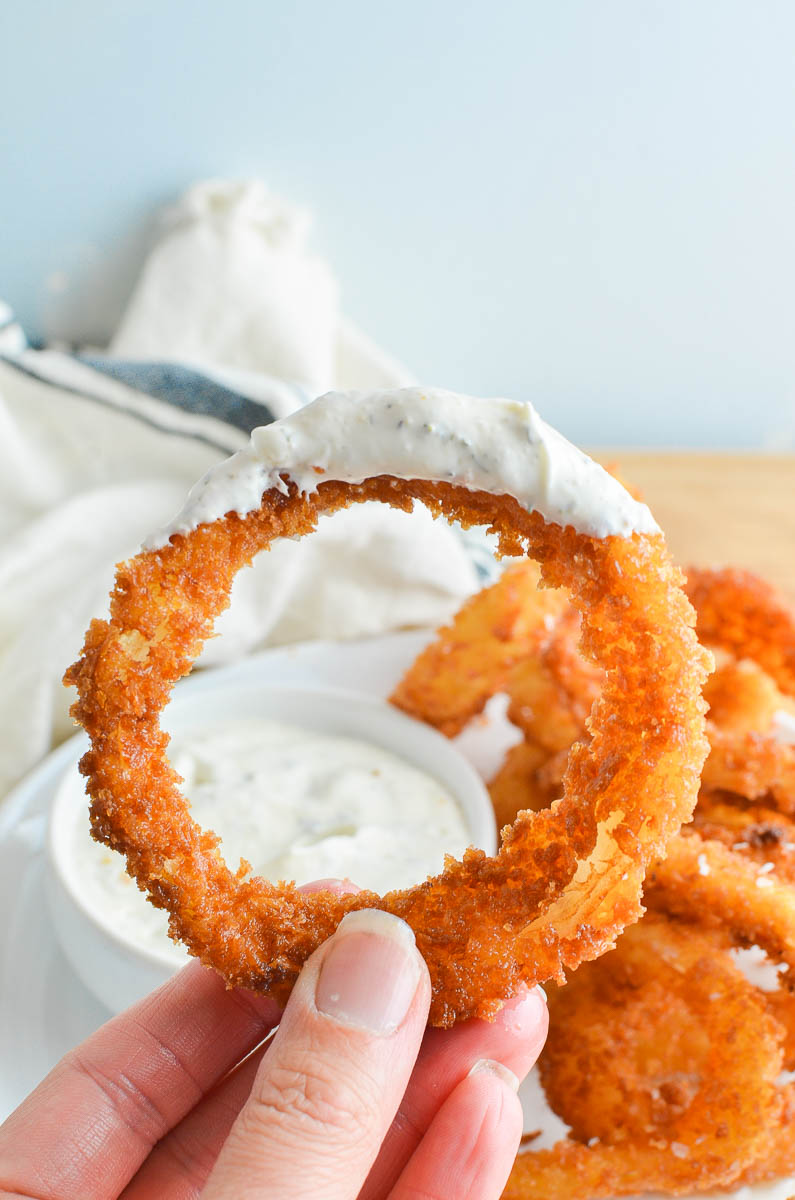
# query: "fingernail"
487,1066
370,972
522,1014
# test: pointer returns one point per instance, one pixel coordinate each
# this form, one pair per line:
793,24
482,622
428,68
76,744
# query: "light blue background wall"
589,203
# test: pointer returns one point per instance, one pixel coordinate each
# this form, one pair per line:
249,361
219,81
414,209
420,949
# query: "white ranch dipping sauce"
298,805
497,446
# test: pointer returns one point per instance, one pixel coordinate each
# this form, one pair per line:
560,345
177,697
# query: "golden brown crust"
471,658
661,1057
754,765
484,925
703,882
762,835
518,785
634,1041
745,615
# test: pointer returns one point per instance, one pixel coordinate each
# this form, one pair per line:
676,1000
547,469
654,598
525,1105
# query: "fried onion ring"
754,765
518,786
703,881
470,659
565,881
742,697
660,1056
552,693
765,838
763,835
746,616
610,1036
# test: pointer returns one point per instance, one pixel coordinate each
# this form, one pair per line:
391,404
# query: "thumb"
330,1084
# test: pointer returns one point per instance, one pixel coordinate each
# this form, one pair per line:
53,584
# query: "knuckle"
138,1111
306,1097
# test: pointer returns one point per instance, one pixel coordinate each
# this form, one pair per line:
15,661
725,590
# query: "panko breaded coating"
470,659
747,616
565,882
553,691
517,785
763,835
660,1056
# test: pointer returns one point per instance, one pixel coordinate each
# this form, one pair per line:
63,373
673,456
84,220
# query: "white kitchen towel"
232,281
98,450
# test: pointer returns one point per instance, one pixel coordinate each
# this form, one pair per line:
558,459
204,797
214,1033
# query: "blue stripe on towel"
186,389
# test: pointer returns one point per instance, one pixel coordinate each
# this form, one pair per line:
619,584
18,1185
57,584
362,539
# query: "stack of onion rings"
705,883
745,615
660,1056
565,882
621,1036
553,689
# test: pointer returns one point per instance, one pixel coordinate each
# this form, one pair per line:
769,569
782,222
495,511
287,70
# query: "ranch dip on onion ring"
497,446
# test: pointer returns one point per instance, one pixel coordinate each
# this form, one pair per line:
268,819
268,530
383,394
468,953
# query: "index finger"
89,1125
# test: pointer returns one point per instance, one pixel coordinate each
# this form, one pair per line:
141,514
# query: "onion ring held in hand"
566,881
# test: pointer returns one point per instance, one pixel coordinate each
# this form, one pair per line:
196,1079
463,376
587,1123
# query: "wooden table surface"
719,509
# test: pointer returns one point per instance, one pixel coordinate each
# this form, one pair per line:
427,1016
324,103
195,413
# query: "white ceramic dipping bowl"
117,970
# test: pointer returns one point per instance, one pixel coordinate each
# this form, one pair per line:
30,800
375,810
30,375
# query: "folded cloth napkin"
232,282
97,450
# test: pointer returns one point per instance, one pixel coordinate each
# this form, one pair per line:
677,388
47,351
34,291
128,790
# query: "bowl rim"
61,811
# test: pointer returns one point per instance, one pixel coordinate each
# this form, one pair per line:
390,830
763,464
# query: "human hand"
351,1097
